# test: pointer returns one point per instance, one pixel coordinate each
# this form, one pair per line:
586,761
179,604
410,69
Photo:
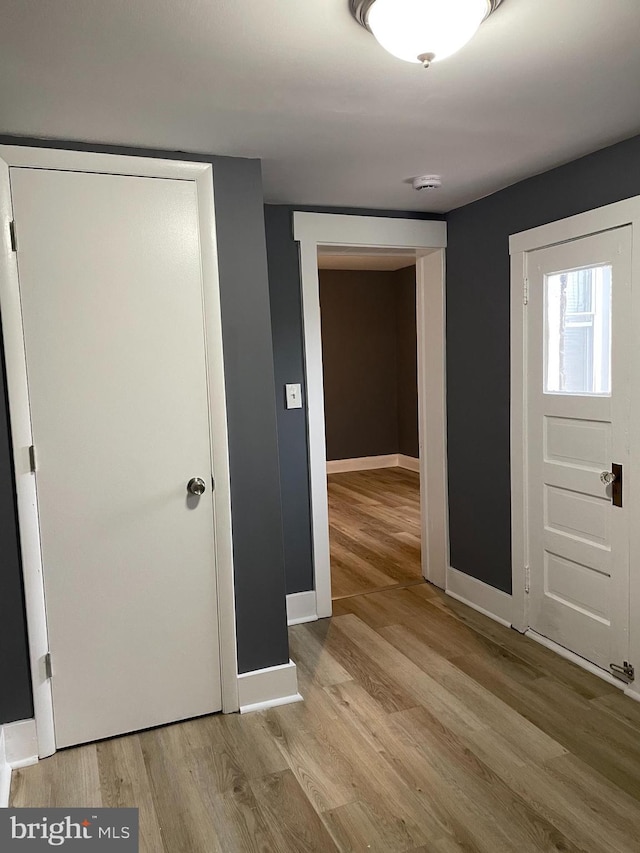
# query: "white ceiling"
336,120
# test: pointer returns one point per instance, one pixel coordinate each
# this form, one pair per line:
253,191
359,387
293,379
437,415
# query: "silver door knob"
607,478
196,486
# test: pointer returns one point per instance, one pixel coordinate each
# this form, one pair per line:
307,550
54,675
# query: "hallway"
374,523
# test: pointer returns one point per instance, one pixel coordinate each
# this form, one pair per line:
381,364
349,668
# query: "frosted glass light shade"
410,29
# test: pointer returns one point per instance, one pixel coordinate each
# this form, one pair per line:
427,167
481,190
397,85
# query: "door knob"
196,486
607,478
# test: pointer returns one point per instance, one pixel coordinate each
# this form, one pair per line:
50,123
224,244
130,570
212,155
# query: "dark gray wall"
407,361
359,359
255,481
288,359
258,549
370,362
15,683
288,354
478,282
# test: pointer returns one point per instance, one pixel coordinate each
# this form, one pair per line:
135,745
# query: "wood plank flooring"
425,727
374,527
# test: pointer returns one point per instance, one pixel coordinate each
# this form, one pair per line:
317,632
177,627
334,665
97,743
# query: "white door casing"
577,426
315,229
195,190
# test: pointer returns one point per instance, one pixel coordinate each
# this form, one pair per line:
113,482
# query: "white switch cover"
294,396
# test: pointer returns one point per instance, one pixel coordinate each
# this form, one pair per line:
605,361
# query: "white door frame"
202,175
424,236
585,224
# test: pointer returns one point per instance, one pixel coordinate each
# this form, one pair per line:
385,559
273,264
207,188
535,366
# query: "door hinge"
32,459
625,673
47,665
525,292
13,236
527,579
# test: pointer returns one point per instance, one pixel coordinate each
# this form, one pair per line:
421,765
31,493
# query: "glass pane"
578,332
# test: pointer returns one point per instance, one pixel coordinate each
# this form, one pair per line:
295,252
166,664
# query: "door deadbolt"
613,478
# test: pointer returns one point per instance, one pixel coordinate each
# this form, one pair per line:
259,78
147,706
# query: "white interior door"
579,338
111,293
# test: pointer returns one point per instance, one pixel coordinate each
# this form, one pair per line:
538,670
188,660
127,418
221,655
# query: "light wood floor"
426,727
374,525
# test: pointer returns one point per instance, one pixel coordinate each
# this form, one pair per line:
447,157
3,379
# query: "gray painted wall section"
15,676
478,376
255,484
253,433
288,359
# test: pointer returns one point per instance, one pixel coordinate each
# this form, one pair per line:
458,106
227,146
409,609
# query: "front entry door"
111,294
578,341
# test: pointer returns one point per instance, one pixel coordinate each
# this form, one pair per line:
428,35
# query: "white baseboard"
5,774
370,463
497,605
364,463
632,692
20,743
409,463
628,689
268,688
574,658
18,748
301,607
5,785
480,596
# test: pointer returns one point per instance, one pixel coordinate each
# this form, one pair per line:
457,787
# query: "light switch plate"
294,396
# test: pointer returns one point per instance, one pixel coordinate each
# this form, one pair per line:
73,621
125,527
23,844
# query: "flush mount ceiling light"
422,30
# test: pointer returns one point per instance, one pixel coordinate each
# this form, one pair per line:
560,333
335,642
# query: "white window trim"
202,175
317,229
612,216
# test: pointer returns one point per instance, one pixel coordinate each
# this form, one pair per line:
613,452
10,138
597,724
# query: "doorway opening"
370,364
426,241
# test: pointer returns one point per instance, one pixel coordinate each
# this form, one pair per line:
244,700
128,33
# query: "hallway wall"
478,354
368,343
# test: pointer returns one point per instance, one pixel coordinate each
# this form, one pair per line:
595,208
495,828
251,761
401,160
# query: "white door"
111,293
579,337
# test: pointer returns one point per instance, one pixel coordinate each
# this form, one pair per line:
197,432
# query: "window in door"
578,331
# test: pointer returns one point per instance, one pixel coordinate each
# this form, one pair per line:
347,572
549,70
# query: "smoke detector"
427,182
